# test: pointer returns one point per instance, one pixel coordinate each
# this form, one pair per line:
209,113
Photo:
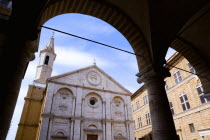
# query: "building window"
132,108
138,104
166,85
191,68
201,95
177,77
192,128
171,107
148,119
139,121
184,101
145,99
46,60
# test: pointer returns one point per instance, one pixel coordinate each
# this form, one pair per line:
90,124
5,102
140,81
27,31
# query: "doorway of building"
92,137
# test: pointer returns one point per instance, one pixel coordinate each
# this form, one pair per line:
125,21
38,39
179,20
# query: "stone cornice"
142,107
33,99
193,110
30,125
95,130
86,119
143,128
185,80
84,87
90,67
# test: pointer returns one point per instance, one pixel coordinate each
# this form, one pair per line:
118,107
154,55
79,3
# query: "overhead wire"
113,47
91,41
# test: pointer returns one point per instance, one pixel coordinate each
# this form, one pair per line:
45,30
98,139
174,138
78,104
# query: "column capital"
149,74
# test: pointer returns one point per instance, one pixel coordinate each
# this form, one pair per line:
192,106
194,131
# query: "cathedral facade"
85,104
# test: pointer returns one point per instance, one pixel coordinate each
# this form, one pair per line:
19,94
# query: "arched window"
46,60
60,134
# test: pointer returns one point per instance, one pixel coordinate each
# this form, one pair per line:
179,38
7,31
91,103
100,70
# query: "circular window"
93,101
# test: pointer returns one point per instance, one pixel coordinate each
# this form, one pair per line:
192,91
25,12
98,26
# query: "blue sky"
73,53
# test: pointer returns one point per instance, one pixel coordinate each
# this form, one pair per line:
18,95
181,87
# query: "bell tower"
47,57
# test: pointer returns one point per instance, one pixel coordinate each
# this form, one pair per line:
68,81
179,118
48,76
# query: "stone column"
15,54
163,127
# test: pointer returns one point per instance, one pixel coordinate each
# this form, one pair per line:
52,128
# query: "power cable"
113,47
185,70
91,41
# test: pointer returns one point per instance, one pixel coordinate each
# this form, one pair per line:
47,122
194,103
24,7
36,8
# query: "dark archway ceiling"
160,21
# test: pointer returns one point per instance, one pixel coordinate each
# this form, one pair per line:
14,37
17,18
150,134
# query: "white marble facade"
86,104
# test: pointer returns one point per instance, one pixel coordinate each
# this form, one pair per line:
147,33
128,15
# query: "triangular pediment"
92,77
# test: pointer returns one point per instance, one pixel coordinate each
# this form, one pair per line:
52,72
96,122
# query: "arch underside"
108,14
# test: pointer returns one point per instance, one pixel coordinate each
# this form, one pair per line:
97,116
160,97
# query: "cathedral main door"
92,137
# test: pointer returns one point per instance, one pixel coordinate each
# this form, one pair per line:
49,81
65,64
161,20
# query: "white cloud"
74,58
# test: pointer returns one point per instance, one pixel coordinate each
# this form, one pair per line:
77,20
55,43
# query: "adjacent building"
85,104
190,110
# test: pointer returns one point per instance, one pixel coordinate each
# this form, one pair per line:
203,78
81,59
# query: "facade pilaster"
76,129
131,131
127,131
83,103
108,131
73,106
72,130
49,129
126,113
163,127
44,128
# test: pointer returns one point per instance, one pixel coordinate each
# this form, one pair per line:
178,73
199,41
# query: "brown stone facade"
191,111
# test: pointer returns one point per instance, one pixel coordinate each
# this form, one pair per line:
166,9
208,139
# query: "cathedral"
85,104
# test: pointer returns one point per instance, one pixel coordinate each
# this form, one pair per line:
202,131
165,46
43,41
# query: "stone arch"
64,88
107,13
92,126
118,108
63,102
60,131
115,97
89,93
201,67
